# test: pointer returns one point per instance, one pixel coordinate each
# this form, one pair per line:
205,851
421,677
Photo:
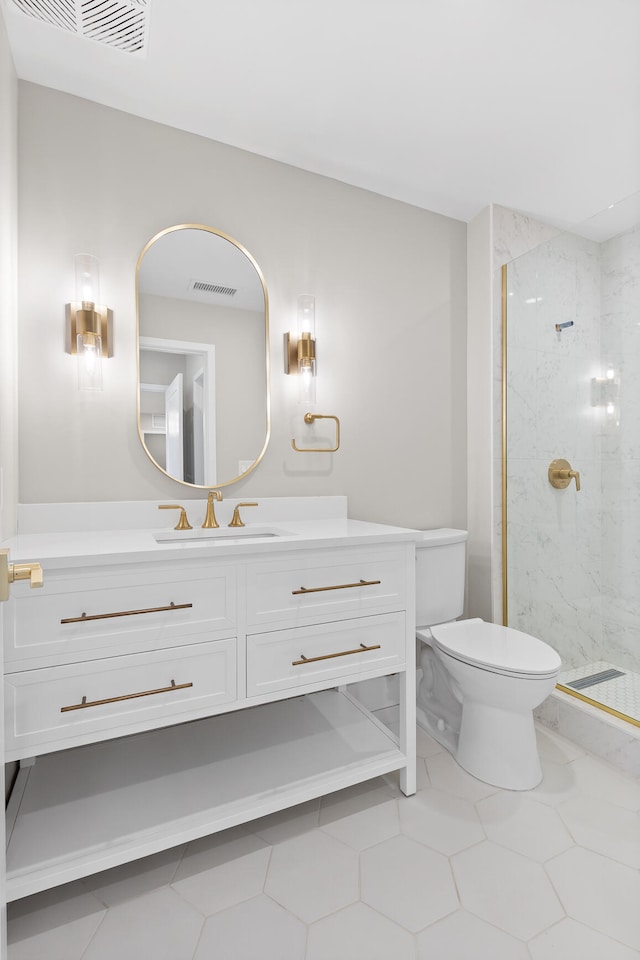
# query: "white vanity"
172,686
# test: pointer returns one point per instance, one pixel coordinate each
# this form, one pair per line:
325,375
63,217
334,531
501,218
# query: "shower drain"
594,678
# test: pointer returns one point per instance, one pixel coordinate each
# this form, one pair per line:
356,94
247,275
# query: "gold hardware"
310,418
9,572
306,350
92,320
290,353
85,704
298,353
235,520
330,656
183,523
126,613
210,521
561,474
339,586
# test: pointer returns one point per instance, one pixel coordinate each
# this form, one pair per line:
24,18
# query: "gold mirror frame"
245,252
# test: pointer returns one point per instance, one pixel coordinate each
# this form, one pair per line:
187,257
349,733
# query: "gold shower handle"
561,474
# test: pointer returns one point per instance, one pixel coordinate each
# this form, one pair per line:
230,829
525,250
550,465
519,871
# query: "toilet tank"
440,575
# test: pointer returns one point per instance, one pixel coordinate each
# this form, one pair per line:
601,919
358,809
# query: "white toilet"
478,682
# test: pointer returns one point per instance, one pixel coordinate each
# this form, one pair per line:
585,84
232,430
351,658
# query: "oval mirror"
203,359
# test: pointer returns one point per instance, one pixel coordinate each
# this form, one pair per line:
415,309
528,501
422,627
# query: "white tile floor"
460,871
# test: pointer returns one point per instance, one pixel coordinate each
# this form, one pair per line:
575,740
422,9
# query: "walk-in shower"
571,409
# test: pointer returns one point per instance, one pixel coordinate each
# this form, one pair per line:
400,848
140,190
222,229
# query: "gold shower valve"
561,474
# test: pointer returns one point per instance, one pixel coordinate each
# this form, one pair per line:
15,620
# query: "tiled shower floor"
621,693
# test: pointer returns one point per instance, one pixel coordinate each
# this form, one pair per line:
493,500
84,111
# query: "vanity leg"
407,710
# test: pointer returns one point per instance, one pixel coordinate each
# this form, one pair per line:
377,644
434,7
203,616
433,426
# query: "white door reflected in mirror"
161,362
173,410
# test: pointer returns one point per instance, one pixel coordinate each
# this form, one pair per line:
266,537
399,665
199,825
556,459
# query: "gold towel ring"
309,418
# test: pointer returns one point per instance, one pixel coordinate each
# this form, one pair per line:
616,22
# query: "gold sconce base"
290,353
95,319
298,351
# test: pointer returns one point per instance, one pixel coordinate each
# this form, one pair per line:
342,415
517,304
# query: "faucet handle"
183,523
574,475
235,520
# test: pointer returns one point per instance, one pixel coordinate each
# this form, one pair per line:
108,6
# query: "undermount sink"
217,535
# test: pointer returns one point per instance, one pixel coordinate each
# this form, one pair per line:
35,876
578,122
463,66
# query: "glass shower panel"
573,392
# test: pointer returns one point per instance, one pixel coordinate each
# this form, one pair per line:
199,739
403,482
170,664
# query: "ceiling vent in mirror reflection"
205,286
117,23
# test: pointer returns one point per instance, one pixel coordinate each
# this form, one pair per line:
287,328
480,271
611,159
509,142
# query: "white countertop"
57,548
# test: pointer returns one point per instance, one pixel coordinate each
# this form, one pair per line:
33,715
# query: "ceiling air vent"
203,286
117,23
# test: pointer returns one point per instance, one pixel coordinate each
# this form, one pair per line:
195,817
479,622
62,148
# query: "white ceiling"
446,104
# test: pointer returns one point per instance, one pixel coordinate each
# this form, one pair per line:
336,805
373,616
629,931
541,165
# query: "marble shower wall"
620,338
554,557
574,558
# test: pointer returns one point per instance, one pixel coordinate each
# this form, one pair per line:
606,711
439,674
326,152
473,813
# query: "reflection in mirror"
203,390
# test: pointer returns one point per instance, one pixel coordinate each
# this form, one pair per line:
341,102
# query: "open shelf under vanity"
75,812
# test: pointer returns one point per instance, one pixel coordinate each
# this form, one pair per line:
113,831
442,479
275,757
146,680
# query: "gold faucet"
183,523
210,521
235,520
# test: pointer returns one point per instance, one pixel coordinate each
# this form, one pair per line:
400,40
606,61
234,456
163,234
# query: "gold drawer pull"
125,613
329,656
84,704
338,586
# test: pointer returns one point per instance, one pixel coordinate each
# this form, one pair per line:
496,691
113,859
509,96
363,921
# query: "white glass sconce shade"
87,278
88,323
89,353
304,356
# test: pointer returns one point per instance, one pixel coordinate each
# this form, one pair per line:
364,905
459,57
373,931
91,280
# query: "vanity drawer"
46,709
292,658
107,614
348,582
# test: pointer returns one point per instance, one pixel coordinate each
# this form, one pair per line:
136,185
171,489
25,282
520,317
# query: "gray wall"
389,281
8,326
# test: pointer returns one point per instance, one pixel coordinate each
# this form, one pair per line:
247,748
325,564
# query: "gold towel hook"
309,418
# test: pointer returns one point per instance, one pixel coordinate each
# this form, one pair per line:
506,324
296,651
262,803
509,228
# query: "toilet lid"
498,648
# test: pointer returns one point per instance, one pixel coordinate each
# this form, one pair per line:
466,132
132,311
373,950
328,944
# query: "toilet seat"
497,649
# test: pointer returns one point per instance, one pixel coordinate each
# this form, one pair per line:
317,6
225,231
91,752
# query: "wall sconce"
300,353
88,324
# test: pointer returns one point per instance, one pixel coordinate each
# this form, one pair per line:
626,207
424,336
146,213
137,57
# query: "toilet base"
487,754
499,747
484,719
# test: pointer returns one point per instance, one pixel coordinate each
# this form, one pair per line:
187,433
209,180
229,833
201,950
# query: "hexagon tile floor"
460,871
